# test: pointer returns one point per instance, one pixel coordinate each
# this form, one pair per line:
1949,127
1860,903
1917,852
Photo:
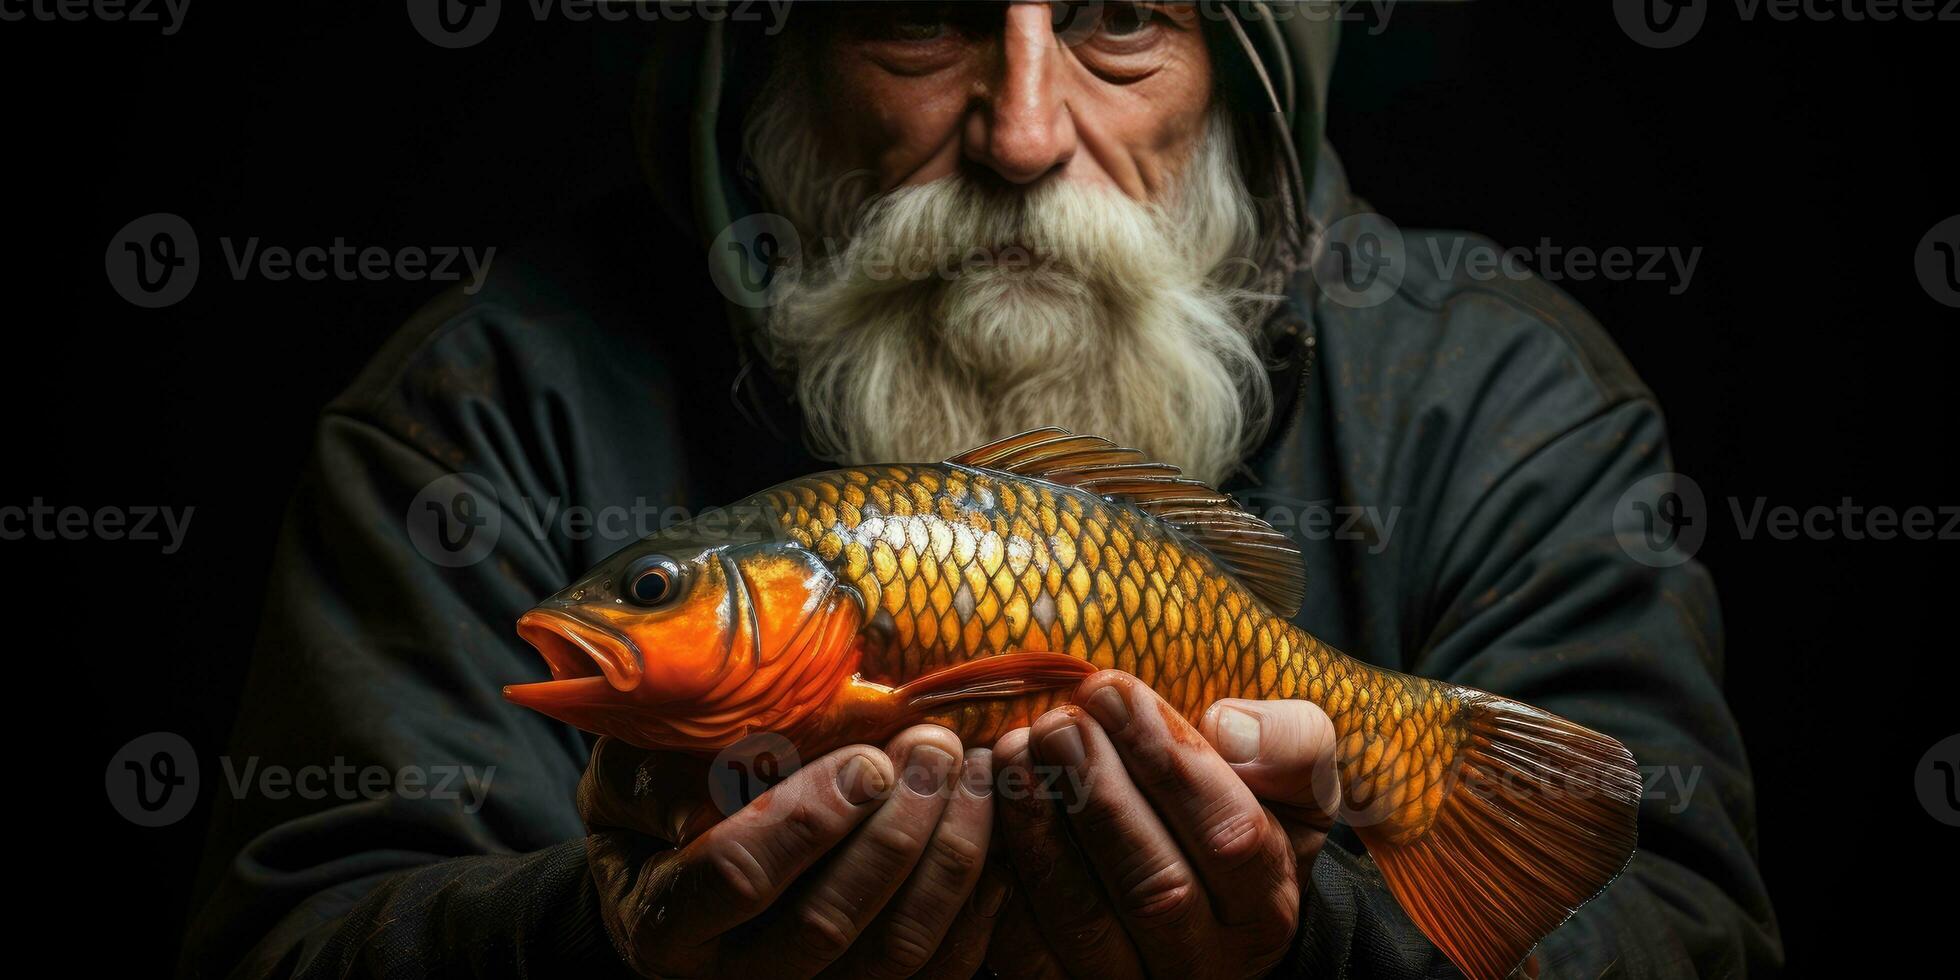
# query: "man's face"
1013,215
1112,94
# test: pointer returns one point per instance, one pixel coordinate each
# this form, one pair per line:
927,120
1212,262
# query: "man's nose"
1021,127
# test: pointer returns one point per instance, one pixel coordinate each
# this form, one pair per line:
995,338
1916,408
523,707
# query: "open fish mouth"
588,661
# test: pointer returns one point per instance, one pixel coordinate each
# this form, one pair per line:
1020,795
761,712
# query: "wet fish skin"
957,563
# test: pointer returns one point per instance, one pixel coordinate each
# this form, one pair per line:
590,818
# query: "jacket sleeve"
1511,579
426,827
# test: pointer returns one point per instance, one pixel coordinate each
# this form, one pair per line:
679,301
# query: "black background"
1804,363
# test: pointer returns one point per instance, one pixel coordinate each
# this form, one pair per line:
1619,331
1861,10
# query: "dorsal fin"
1264,559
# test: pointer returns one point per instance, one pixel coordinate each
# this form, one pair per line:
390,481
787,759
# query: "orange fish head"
676,643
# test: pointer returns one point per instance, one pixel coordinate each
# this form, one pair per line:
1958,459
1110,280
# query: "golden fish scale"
956,564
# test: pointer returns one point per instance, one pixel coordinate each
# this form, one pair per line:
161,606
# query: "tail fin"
1539,817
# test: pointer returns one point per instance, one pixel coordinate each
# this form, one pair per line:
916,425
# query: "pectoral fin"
1004,675
869,711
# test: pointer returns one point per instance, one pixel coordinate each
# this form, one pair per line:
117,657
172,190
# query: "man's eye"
1124,20
1105,20
918,30
911,21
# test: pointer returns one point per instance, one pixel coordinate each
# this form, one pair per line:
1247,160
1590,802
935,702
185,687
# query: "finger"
1069,910
1153,887
680,907
1284,751
840,899
1240,853
659,794
914,924
964,948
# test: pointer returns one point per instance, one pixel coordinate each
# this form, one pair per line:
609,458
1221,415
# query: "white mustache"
960,311
1093,231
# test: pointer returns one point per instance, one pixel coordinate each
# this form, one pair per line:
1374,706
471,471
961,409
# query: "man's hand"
1153,855
852,864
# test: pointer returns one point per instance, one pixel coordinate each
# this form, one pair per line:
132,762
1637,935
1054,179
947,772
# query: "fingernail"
1110,708
1063,746
1238,735
1012,749
861,780
978,773
927,769
991,895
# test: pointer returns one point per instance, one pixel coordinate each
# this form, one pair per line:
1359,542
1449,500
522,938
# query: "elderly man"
929,226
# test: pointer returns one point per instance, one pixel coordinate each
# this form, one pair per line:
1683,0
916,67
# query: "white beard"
955,314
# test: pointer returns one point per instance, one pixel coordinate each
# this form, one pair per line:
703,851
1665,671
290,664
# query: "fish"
976,593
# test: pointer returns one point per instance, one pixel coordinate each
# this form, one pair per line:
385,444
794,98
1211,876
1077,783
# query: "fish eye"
652,581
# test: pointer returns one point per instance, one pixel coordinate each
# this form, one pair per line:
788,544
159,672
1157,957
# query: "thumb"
1284,750
657,794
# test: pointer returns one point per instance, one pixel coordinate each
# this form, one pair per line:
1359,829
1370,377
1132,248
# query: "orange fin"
1260,556
1003,675
1540,817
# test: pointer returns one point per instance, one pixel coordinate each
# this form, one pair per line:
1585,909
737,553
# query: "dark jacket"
1480,433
